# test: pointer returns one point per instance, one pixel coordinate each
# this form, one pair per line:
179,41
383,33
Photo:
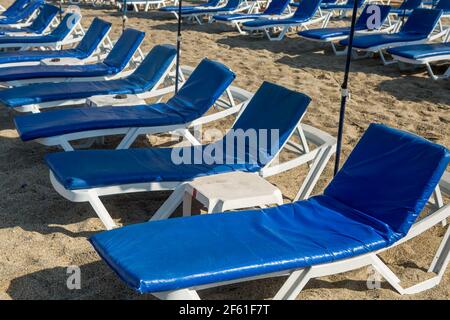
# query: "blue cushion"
210,3
124,49
192,100
111,167
23,13
184,252
91,39
39,24
369,41
345,6
422,51
230,6
15,8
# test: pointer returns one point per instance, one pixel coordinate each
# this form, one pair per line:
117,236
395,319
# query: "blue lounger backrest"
361,22
124,48
232,4
25,11
204,86
307,8
273,107
44,18
155,64
443,5
65,26
389,176
96,32
277,7
410,4
422,21
15,8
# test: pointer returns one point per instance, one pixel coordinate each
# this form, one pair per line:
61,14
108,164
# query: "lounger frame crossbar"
278,31
298,278
316,158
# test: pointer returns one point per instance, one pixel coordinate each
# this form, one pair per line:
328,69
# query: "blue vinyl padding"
272,107
369,205
304,12
406,7
276,7
210,3
360,25
422,51
230,6
345,6
57,34
205,85
22,14
142,79
16,7
418,27
443,5
116,61
98,29
46,14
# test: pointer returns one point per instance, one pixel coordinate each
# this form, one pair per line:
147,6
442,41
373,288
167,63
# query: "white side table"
116,100
230,191
62,62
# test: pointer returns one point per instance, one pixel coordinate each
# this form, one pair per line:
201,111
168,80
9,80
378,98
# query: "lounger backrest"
204,86
422,21
232,4
155,64
277,7
410,4
271,108
363,18
94,35
26,11
46,14
124,48
307,8
389,176
443,5
213,3
15,7
66,26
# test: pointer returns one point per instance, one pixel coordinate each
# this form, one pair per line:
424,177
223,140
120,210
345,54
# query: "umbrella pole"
344,89
177,71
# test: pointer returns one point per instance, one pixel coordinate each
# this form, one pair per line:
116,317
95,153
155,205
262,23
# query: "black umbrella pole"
344,89
177,71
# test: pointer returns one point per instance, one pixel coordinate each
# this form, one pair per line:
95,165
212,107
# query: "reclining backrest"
124,48
273,107
213,3
276,7
422,21
46,14
94,35
15,7
204,86
390,175
232,4
410,4
155,64
307,8
361,22
443,5
25,11
66,26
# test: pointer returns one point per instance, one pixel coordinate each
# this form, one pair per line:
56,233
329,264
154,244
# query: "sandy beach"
41,233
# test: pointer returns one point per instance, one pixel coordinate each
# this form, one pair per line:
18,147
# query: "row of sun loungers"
364,210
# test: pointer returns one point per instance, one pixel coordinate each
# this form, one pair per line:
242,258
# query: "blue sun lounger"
342,7
67,32
15,8
424,54
208,82
112,66
208,5
107,172
232,6
22,13
307,13
38,26
95,40
406,7
145,79
365,210
274,9
417,29
331,35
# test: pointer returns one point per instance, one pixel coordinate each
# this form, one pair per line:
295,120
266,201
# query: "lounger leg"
430,72
385,62
101,211
441,259
187,204
183,294
170,204
66,146
293,285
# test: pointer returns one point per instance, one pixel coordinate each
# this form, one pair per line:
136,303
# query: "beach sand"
41,233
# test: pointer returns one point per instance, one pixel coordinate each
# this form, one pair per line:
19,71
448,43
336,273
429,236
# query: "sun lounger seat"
41,23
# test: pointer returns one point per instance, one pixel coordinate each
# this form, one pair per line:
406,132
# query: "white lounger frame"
297,279
197,17
282,29
221,3
316,158
156,91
